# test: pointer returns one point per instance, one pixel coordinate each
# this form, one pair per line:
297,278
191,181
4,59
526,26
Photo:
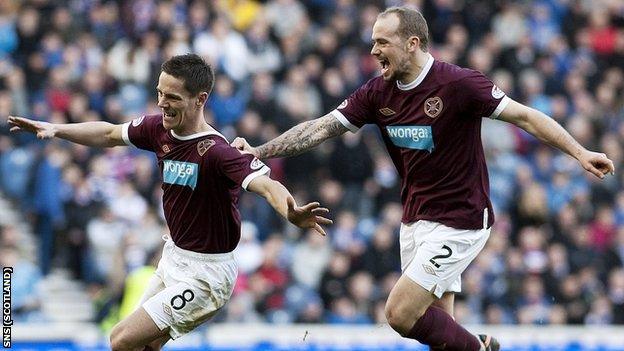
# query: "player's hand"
597,163
244,147
43,130
308,216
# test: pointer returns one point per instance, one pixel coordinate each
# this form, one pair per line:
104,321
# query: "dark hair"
411,23
197,75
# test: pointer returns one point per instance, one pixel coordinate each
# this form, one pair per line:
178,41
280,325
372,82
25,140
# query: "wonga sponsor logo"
411,137
180,173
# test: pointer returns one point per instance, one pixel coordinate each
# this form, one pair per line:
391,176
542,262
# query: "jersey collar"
420,77
196,135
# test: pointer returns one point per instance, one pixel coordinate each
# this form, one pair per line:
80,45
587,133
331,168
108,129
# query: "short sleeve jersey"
201,180
432,130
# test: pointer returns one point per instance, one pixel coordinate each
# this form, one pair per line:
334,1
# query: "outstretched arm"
306,216
549,131
98,134
297,139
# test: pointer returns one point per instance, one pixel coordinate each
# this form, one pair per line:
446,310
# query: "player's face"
390,49
179,107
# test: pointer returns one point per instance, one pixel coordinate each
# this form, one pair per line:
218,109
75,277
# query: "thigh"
157,344
138,330
408,300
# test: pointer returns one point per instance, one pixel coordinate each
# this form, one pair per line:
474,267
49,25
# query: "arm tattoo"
302,137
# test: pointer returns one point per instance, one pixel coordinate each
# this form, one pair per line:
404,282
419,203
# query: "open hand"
308,216
243,146
597,163
43,130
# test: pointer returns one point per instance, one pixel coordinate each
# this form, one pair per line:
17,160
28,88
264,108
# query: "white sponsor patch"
343,105
497,93
137,121
256,164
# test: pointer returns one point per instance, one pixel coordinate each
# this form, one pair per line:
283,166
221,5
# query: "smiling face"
181,110
393,52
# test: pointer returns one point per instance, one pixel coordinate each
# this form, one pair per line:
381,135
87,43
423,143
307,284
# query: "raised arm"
306,216
297,139
98,134
549,131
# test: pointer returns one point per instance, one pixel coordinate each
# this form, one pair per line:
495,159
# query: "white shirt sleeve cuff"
501,106
345,122
262,171
124,134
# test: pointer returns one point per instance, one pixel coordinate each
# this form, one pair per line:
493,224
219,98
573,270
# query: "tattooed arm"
297,139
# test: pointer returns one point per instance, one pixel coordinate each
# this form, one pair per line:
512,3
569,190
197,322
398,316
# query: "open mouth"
384,66
169,114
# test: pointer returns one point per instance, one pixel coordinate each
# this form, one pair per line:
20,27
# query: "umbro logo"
386,111
167,310
166,149
429,270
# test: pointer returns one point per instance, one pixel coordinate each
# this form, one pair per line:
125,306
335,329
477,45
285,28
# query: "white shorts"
188,288
434,255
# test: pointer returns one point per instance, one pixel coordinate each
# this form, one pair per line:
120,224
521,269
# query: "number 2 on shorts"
447,255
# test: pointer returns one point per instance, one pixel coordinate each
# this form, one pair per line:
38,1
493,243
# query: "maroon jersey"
432,130
202,175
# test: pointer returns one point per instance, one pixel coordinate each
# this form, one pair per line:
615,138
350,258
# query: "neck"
199,126
417,63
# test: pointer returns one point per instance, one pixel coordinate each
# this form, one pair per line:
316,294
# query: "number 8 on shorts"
179,301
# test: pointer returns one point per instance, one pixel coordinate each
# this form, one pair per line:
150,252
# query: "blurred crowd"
556,252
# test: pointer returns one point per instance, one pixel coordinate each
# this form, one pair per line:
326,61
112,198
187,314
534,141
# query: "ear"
413,43
201,99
